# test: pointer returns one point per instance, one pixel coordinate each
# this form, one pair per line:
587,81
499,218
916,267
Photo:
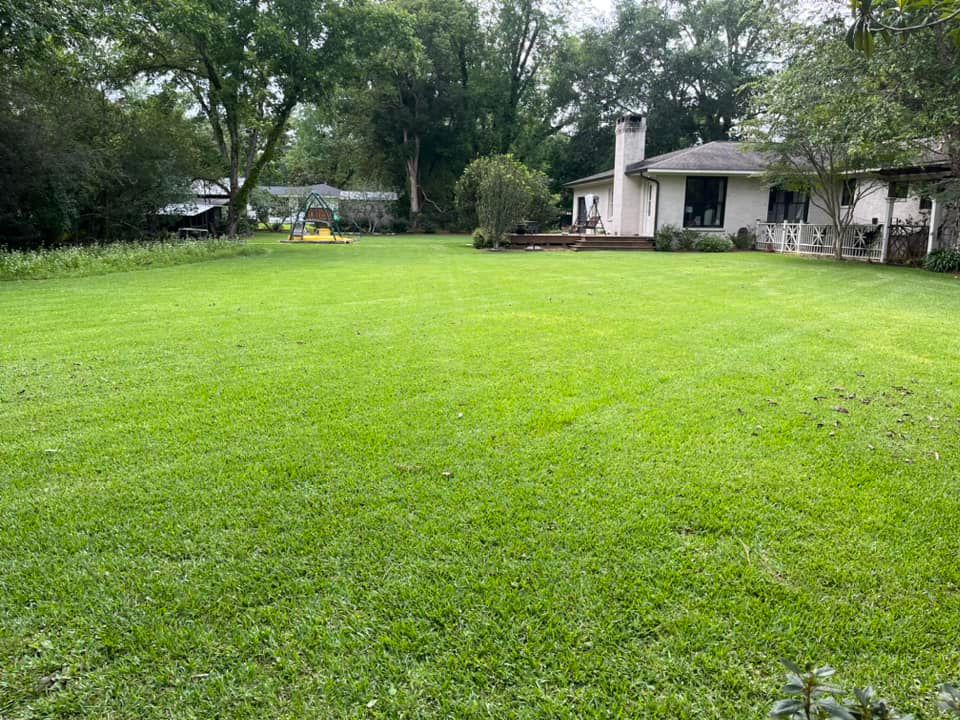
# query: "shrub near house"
672,238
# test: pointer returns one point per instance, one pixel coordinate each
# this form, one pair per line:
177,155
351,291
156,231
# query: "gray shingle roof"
717,156
605,175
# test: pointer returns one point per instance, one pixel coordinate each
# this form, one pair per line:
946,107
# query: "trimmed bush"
670,237
744,239
714,243
482,240
943,261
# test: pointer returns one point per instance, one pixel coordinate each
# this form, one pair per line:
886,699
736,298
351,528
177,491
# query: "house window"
704,203
898,190
787,206
926,202
849,192
649,199
610,202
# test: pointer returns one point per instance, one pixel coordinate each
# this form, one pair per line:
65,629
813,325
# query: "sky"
807,10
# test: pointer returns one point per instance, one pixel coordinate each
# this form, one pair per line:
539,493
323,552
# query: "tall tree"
919,51
698,58
525,37
249,64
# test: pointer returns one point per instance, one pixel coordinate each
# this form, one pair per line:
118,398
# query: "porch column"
886,230
935,218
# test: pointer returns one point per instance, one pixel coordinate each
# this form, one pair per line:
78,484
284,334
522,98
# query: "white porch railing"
859,242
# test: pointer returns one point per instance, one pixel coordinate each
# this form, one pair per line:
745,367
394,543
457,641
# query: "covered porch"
897,242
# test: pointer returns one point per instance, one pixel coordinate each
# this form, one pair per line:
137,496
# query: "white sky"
806,10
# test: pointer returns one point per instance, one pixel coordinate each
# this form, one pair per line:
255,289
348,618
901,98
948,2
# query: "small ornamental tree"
821,121
503,191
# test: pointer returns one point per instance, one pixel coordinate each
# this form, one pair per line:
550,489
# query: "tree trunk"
413,176
233,218
239,193
838,243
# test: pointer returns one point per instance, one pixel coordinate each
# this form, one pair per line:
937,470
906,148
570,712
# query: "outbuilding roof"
321,189
190,209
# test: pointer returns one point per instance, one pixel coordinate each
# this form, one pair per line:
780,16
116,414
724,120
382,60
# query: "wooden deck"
583,242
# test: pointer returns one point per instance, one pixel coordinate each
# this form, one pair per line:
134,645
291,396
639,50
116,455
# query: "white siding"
747,199
873,205
602,189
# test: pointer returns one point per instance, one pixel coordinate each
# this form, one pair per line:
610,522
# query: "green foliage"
82,260
811,697
671,237
77,165
744,239
480,240
699,60
713,243
503,192
248,66
823,118
890,18
943,261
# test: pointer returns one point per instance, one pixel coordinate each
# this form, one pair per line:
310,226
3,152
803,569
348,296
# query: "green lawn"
406,479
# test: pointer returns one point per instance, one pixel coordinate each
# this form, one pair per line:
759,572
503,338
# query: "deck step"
601,243
584,242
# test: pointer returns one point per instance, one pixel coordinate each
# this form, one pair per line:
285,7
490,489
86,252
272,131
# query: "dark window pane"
704,202
849,192
787,205
898,190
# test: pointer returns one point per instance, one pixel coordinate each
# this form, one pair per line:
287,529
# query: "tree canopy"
405,94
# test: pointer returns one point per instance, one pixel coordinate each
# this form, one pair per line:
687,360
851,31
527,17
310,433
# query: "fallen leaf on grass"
842,409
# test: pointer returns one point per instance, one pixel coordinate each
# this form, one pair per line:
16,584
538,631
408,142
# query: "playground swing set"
317,223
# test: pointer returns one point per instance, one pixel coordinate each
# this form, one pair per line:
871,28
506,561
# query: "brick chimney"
630,146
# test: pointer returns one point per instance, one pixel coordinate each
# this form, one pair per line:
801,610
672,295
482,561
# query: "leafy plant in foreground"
810,696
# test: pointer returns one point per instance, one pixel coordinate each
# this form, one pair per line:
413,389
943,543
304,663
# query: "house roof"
712,157
717,156
369,195
929,162
605,175
321,189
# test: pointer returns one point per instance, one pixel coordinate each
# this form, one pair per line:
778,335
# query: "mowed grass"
407,479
